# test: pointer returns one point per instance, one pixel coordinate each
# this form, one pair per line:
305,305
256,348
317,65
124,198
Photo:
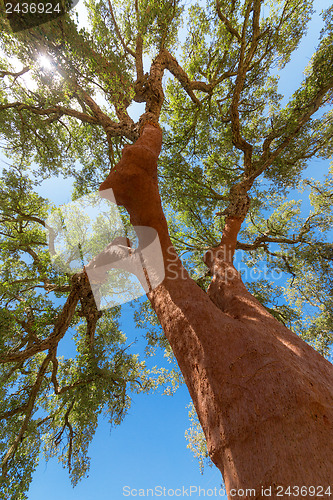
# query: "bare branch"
255,32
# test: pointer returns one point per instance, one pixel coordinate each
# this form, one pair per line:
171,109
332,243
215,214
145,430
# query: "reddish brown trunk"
263,396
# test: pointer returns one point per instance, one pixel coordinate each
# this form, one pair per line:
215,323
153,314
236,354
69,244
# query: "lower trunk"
263,396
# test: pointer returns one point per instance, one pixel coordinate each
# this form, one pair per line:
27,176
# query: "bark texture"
263,396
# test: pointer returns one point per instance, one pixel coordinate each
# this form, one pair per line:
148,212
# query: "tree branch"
79,281
127,49
178,72
226,22
268,157
15,75
138,57
261,241
14,411
238,141
49,111
29,408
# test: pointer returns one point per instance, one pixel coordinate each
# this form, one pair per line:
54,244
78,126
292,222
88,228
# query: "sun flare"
45,62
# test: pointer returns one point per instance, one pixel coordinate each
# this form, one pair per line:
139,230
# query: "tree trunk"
263,396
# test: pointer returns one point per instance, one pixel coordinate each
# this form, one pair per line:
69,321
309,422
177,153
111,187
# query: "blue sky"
146,451
149,448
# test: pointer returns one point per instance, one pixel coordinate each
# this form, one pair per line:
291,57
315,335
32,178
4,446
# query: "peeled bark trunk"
263,396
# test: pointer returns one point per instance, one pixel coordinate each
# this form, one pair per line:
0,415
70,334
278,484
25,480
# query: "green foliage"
196,440
157,22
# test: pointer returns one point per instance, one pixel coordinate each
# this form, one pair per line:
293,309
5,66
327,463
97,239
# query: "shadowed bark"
263,396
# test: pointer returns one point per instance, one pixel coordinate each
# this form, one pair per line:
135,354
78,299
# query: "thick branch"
178,72
138,57
147,87
226,249
134,184
139,45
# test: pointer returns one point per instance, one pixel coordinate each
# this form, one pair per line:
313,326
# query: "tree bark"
263,396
